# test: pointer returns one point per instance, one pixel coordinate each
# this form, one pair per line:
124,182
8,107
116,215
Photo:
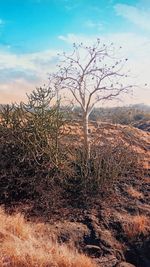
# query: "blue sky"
32,32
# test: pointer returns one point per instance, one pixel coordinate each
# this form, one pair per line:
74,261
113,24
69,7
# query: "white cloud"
136,48
92,24
19,73
14,91
71,38
31,61
138,16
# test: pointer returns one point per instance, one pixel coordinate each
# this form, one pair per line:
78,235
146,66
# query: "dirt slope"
138,139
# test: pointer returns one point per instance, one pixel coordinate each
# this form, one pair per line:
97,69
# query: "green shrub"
30,146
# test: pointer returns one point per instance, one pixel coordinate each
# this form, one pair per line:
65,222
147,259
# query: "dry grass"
134,193
136,225
146,179
26,244
134,138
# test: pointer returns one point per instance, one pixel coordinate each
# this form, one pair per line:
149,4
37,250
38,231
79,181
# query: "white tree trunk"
86,136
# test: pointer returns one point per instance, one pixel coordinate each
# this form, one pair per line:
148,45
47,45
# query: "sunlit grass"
27,244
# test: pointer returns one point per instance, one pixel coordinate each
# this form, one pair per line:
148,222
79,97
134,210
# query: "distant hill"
123,115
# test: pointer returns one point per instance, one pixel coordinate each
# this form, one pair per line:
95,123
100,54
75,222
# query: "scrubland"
61,210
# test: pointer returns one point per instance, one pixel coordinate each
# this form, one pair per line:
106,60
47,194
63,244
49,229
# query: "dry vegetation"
43,170
42,156
29,245
134,193
136,225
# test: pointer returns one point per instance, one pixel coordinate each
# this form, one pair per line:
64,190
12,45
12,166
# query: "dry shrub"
136,225
108,162
26,244
134,193
31,133
30,149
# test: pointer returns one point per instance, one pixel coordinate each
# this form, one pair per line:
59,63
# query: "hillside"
108,133
26,244
112,228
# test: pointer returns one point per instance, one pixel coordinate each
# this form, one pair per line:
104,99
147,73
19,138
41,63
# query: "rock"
73,232
108,261
93,250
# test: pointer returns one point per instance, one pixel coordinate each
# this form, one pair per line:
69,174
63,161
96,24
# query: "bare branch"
92,74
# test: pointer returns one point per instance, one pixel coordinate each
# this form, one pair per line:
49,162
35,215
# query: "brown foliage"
134,193
136,225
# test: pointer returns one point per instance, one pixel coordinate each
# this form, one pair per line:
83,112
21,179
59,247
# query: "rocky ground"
115,229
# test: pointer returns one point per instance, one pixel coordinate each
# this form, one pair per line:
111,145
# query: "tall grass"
24,244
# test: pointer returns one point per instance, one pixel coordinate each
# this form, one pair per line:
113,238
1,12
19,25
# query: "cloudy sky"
32,32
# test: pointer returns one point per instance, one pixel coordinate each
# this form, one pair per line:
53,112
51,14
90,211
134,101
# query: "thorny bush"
38,164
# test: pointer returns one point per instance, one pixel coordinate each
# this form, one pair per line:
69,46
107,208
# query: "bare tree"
92,74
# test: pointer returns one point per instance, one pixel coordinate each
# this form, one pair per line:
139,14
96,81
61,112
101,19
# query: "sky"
33,32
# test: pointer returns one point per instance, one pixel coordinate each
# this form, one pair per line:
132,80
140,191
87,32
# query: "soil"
100,233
